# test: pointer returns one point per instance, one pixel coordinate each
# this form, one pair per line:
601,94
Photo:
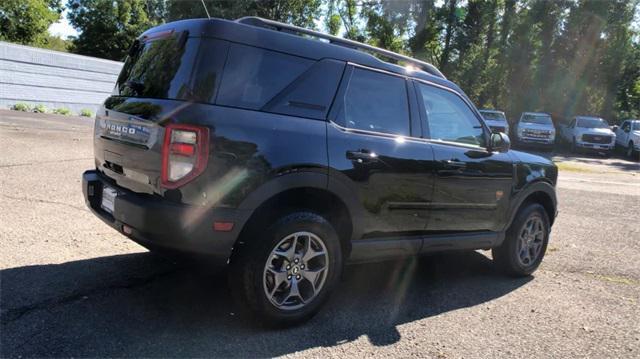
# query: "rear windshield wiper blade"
136,86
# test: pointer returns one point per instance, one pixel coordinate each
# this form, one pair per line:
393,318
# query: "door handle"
362,156
454,164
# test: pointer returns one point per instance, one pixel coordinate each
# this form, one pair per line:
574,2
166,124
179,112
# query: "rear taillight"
185,151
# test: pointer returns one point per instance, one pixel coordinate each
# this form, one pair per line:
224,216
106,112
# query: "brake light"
185,152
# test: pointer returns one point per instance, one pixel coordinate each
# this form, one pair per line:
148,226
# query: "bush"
21,106
39,108
62,111
85,112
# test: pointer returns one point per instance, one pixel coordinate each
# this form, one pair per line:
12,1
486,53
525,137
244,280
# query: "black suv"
285,153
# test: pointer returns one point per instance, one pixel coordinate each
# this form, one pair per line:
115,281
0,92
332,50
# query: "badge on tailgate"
129,132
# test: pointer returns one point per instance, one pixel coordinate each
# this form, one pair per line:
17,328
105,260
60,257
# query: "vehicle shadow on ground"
140,305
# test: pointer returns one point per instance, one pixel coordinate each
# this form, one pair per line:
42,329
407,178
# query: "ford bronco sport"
285,153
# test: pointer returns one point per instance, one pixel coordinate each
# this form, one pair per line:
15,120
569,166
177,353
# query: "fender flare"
308,179
529,189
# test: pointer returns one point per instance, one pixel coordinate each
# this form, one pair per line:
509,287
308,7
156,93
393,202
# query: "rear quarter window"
253,76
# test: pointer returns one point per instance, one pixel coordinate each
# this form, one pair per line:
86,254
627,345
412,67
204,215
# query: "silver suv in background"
496,120
536,128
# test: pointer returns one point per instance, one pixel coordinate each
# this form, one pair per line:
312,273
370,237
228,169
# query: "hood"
535,126
530,168
595,131
502,123
530,158
636,133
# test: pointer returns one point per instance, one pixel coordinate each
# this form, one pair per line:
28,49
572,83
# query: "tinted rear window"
173,67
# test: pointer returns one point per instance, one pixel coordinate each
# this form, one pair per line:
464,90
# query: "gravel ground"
73,287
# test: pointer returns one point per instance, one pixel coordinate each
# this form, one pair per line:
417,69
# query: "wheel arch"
302,191
538,192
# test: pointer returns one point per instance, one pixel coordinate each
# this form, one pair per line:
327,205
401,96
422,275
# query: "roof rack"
275,25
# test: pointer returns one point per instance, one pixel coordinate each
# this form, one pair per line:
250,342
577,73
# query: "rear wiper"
136,86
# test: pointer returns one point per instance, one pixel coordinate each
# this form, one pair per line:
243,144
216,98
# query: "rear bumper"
159,224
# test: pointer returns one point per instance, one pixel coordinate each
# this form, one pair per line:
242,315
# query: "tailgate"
128,149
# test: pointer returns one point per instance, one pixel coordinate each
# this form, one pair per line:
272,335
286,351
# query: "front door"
473,185
374,150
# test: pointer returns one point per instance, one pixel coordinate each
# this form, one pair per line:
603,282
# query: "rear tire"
631,152
525,243
283,275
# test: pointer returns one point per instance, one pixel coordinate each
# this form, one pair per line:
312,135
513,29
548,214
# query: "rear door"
375,149
473,185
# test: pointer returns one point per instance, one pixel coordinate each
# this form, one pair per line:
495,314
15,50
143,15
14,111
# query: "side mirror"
500,142
614,128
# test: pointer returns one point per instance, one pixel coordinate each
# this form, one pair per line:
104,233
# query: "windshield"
592,123
537,119
494,116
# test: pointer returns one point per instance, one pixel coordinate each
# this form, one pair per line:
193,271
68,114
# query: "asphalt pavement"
70,286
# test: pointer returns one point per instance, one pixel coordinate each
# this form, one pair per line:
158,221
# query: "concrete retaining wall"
54,79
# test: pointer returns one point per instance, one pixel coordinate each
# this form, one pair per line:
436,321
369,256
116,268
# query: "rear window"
166,68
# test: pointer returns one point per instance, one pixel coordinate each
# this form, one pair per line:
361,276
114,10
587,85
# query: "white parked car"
588,133
496,120
628,137
536,128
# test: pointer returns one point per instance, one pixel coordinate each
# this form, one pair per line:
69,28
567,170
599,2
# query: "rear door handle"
362,156
454,164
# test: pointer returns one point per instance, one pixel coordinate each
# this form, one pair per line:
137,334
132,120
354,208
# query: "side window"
449,118
573,123
626,126
253,76
377,102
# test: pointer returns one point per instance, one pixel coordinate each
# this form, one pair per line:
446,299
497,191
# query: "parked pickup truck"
588,133
496,120
628,137
536,128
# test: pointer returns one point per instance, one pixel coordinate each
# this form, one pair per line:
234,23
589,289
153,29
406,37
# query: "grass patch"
39,108
615,279
21,106
570,167
62,111
86,113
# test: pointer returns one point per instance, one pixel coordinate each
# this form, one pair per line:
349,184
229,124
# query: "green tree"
297,12
26,21
108,28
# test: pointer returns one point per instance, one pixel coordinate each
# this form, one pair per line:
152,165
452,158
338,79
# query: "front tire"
283,275
525,243
631,152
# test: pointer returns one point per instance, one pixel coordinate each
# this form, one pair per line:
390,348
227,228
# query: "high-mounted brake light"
185,152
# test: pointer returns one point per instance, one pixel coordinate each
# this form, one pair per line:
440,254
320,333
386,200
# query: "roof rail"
275,25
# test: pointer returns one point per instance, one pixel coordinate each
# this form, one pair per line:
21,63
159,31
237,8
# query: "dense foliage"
561,56
26,21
